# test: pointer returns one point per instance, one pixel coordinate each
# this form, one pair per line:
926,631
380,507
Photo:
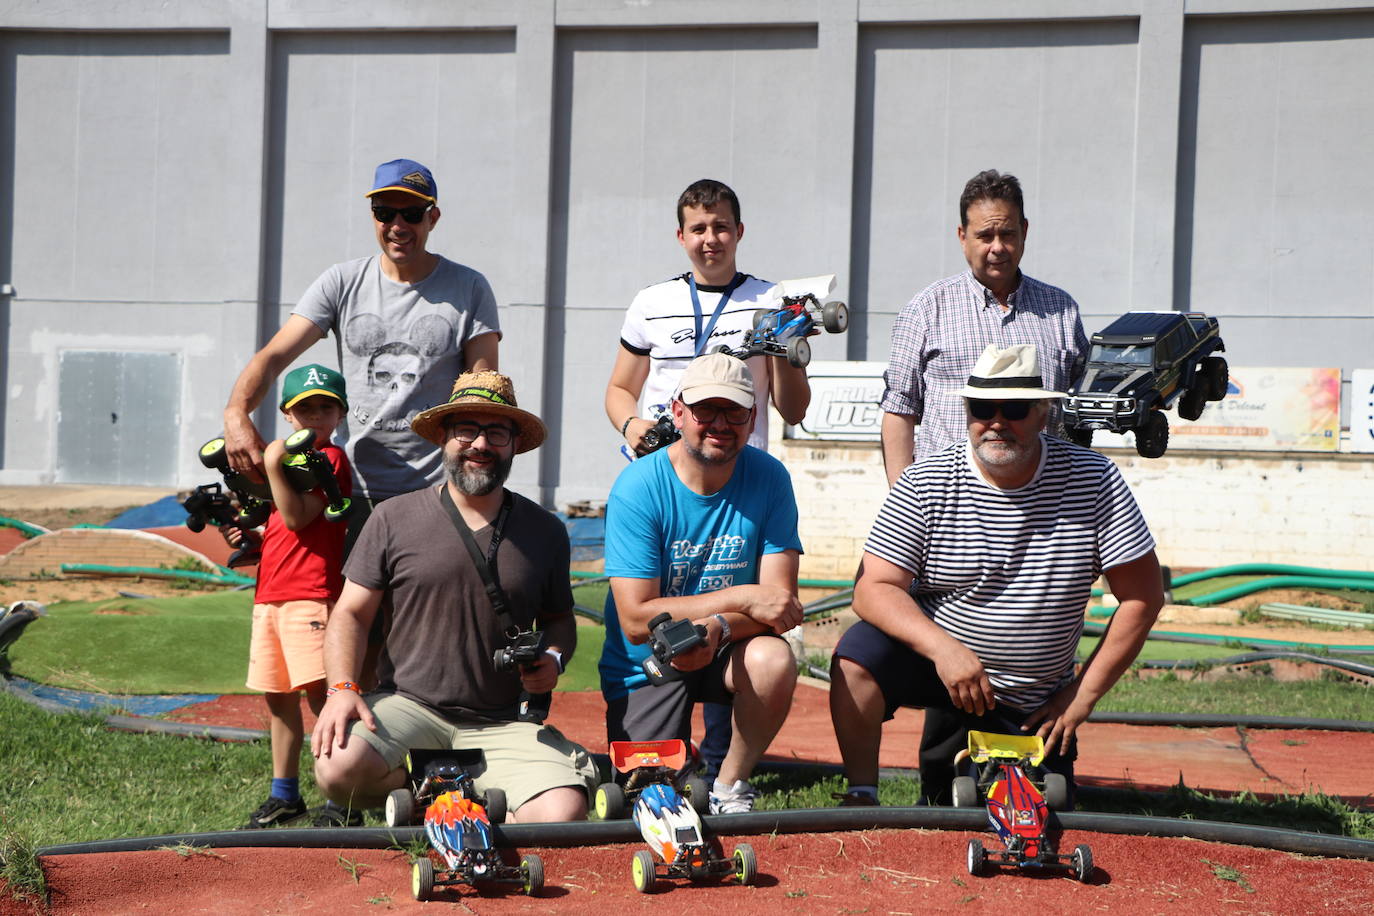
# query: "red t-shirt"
308,563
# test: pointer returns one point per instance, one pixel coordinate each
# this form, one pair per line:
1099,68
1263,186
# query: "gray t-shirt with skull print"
400,347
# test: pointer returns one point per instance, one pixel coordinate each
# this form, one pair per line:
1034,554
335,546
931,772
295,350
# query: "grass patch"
21,877
162,645
1240,694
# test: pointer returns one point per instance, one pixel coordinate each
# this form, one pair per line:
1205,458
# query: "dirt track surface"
882,871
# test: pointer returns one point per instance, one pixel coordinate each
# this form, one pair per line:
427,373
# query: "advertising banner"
844,402
1362,410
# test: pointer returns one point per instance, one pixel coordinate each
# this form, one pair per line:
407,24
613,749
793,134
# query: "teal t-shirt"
657,528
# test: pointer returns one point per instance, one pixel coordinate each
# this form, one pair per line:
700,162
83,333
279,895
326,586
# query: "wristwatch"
724,629
557,658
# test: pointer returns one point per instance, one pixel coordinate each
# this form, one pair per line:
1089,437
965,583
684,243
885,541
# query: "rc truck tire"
965,792
746,863
798,352
1082,863
977,857
1218,376
422,879
1194,399
835,317
496,806
610,802
400,808
642,871
1057,791
212,455
1152,436
532,870
698,794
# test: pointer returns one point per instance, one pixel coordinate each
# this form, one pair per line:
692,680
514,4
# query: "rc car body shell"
1142,361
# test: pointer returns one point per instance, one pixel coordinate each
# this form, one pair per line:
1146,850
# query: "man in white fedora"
974,581
435,552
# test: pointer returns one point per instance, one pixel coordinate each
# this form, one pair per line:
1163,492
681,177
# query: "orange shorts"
287,649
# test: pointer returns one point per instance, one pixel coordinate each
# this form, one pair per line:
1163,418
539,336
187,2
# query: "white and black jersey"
1009,572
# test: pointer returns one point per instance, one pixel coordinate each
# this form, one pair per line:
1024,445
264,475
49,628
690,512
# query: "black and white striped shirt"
1009,572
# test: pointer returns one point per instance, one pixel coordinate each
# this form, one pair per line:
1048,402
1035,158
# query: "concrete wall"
176,175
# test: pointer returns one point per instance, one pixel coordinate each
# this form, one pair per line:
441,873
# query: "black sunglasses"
411,215
1011,410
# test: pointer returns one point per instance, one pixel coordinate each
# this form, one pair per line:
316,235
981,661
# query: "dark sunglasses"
1011,410
706,414
411,215
498,434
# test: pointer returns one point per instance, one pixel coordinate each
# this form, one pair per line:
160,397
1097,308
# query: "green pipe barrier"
1098,629
225,578
24,528
1275,569
1259,585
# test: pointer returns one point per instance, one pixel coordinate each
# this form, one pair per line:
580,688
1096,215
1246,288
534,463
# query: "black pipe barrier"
809,820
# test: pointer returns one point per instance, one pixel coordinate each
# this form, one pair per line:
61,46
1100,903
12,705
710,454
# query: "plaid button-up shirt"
940,334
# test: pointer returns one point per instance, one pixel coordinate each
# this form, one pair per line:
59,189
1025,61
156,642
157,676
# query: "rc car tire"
1057,791
1218,376
698,794
835,317
345,509
798,352
1082,863
422,879
212,455
532,870
1194,399
642,871
299,442
965,792
746,863
977,857
400,808
1152,436
496,806
610,802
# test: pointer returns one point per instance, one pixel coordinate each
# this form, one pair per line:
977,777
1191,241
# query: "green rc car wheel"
299,442
642,869
610,802
345,507
422,879
212,454
746,864
532,870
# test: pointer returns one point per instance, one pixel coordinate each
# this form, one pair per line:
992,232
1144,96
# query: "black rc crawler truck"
1139,366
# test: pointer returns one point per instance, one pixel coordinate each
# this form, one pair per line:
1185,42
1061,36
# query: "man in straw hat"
974,581
705,530
439,686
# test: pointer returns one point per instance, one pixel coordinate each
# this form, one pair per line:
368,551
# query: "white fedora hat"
1012,374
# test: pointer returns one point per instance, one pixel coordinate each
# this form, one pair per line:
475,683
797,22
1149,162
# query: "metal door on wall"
118,414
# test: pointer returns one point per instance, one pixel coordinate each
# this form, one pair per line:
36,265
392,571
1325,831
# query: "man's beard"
477,481
722,455
1005,450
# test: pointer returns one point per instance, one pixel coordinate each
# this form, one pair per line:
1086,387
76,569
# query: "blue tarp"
588,536
129,705
161,514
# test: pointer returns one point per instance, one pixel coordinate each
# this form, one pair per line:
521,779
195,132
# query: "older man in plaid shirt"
939,334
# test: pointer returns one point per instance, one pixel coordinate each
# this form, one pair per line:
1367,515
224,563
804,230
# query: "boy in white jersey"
973,585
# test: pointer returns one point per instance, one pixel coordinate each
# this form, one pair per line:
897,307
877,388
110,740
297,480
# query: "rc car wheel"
835,316
1152,436
761,317
798,352
698,794
1218,376
1082,863
1057,791
299,442
610,802
977,857
212,454
1194,399
345,507
532,869
400,808
422,879
642,870
965,792
496,806
746,863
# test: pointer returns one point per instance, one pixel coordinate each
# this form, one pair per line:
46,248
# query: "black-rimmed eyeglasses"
498,434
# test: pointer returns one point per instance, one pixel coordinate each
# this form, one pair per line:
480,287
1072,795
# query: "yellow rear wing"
984,746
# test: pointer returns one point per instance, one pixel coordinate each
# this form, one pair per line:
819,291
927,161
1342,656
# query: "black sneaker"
331,815
275,811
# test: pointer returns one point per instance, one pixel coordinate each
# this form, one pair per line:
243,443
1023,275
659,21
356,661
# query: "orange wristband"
342,685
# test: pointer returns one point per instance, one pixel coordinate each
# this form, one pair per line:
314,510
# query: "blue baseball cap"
405,175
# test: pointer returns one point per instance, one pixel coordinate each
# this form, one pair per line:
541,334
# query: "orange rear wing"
631,755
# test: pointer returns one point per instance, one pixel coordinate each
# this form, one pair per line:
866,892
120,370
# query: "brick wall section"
1205,509
45,554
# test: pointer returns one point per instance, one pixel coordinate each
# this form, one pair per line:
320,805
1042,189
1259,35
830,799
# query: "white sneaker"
738,799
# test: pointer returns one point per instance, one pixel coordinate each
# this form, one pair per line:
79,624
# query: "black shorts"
907,678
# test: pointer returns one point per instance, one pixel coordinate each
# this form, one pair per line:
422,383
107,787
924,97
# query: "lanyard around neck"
486,566
701,337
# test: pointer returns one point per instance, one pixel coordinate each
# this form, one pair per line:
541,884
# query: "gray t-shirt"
443,630
400,347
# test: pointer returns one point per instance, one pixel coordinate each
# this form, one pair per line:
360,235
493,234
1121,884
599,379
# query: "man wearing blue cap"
406,323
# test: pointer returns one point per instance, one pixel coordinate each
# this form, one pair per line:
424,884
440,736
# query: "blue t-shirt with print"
657,528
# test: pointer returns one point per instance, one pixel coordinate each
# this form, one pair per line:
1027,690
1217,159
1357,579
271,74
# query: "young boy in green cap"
299,579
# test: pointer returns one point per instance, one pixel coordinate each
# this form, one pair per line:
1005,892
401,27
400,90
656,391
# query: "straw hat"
1012,374
484,392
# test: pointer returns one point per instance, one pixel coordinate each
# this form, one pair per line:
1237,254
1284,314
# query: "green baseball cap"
303,381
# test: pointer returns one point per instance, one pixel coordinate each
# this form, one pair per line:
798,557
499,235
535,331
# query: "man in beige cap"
704,530
439,686
973,584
